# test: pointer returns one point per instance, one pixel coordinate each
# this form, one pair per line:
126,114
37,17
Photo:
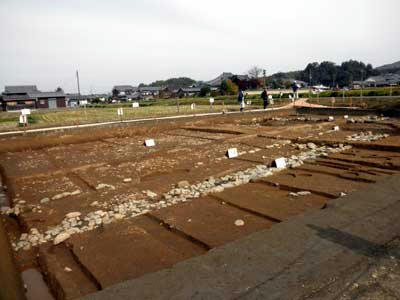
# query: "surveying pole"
265,79
362,83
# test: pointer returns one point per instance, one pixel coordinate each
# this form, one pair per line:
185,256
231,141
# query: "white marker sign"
346,117
135,104
23,119
211,100
232,153
193,106
25,111
336,128
280,163
120,111
149,143
331,119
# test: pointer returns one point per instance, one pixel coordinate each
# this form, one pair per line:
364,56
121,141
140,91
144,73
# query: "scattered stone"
44,200
183,184
118,216
101,186
60,196
126,180
67,269
128,206
304,193
239,222
151,194
61,238
72,215
74,193
311,146
342,194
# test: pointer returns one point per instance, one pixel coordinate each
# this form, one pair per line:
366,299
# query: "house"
383,80
151,90
28,96
50,100
188,92
122,92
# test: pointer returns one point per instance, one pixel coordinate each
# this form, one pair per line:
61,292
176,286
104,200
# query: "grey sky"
128,42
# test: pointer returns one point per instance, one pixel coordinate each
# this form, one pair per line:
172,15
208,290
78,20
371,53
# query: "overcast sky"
43,42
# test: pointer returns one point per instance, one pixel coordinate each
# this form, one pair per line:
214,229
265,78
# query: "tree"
59,90
204,91
229,88
255,72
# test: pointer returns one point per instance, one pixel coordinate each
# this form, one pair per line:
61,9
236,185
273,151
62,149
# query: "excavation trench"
131,247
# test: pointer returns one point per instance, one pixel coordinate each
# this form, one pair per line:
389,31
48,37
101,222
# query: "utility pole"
309,89
79,89
79,92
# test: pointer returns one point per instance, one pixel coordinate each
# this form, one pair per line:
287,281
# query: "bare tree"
255,72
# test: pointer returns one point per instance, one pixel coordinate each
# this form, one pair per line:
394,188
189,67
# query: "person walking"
241,100
264,97
295,89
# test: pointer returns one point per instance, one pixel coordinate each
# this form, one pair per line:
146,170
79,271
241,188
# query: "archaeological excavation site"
88,210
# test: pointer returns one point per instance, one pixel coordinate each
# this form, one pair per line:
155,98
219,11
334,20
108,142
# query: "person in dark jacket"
241,100
264,97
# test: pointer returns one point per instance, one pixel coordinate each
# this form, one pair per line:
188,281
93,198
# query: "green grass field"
108,112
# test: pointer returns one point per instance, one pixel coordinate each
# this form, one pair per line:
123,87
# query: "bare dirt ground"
93,208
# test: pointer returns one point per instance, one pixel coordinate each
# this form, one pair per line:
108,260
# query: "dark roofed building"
19,89
28,96
121,91
49,99
217,81
188,92
383,80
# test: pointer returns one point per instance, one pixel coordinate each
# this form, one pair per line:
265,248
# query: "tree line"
326,73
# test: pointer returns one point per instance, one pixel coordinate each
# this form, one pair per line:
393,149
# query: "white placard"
120,111
193,106
83,102
280,163
336,128
211,100
23,119
149,143
248,102
270,97
346,117
331,119
135,104
232,153
25,111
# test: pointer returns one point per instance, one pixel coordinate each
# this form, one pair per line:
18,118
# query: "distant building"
188,92
151,90
28,96
122,92
216,82
382,80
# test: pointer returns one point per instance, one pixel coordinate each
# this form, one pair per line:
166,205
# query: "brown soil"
37,167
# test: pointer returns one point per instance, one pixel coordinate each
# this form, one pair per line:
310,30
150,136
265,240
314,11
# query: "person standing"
241,100
295,89
264,97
